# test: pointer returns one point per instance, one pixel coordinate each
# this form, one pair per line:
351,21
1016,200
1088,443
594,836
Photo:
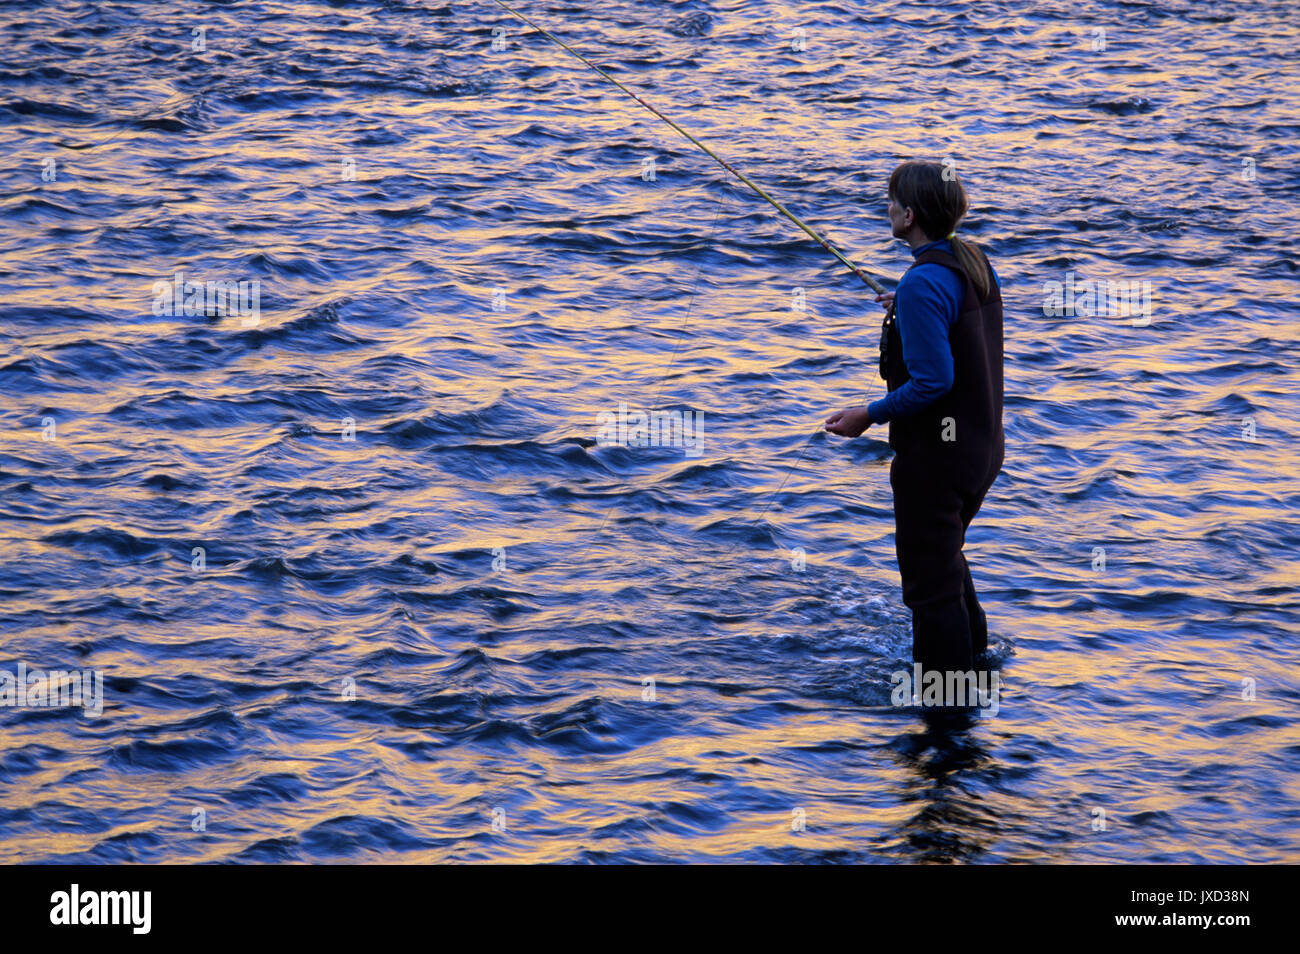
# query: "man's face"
900,219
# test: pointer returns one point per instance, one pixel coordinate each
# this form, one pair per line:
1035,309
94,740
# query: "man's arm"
924,310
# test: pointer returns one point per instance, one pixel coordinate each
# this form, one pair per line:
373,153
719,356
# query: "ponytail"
974,263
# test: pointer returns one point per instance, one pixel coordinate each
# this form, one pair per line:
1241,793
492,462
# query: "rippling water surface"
458,254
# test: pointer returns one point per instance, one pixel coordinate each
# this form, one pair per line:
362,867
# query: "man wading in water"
941,357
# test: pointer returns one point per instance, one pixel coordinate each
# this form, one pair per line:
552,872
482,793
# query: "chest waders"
946,458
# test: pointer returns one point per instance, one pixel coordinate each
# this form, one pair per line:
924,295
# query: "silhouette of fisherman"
941,358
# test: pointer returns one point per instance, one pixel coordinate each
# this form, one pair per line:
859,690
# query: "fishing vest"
960,434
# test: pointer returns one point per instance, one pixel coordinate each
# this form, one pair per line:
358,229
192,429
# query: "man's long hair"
939,202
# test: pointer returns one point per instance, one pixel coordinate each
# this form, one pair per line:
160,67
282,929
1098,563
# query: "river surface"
362,585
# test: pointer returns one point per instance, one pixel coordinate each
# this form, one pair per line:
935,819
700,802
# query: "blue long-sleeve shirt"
926,304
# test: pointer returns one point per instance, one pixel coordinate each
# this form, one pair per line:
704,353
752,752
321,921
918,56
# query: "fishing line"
664,376
871,282
875,285
175,99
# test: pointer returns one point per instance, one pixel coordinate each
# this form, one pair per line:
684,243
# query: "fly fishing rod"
875,285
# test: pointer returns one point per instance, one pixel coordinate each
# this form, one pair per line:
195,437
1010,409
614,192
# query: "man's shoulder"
929,280
936,278
926,273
